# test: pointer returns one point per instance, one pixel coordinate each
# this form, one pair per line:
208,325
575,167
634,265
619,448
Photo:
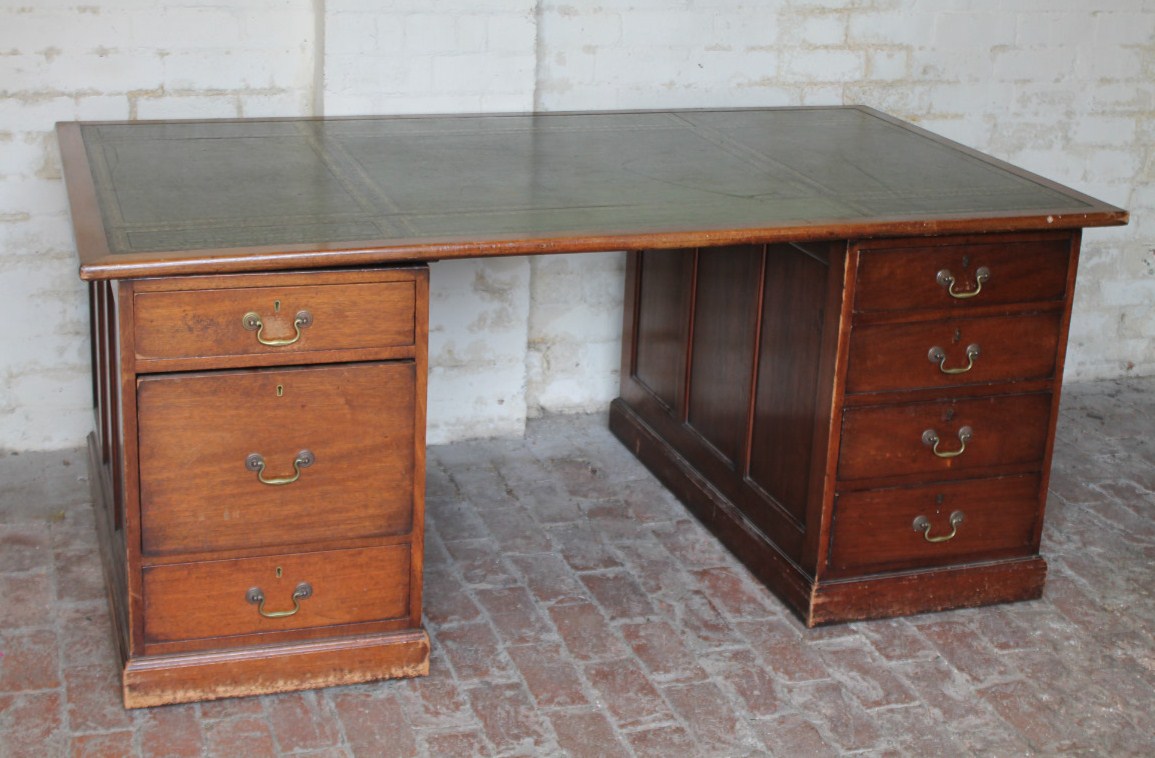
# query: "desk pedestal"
871,436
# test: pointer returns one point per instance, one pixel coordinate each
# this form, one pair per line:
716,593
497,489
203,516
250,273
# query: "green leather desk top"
203,197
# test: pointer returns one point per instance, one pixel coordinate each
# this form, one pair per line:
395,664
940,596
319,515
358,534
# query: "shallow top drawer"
960,275
274,321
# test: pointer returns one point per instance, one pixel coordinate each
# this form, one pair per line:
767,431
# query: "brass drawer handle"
946,279
256,596
938,355
255,462
931,439
252,321
922,524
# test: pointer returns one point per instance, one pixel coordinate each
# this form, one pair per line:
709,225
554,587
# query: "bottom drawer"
875,530
189,601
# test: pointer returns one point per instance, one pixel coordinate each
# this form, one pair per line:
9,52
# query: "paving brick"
1019,704
514,614
627,692
302,721
618,594
710,629
24,596
32,725
31,660
734,592
480,563
791,734
515,531
173,731
550,579
663,742
435,701
710,718
106,745
465,744
741,672
962,646
445,600
474,652
583,547
508,717
586,633
553,681
372,722
895,639
837,713
790,657
659,647
245,735
871,682
587,733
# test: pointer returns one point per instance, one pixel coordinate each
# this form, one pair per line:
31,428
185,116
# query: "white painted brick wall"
105,60
1062,87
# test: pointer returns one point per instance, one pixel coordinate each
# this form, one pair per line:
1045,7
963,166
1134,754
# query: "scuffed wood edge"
162,680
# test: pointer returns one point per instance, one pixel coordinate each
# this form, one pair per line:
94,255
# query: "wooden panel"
663,319
901,278
886,441
196,431
722,346
896,356
209,323
873,530
199,600
793,318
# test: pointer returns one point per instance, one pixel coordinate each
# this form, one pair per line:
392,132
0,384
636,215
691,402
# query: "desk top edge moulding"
370,190
843,345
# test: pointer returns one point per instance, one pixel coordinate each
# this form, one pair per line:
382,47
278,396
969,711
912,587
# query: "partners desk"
843,348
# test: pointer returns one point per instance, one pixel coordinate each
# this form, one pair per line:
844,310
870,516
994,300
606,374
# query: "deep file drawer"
274,458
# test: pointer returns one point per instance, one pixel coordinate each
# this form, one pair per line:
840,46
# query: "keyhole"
279,572
966,261
280,390
938,500
957,336
276,306
948,414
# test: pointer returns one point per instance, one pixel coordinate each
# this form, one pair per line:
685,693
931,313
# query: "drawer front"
201,490
910,278
188,601
876,530
886,441
213,323
952,352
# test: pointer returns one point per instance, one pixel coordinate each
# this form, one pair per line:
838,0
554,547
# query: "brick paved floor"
576,609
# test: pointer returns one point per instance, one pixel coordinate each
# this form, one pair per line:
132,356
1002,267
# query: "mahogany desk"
843,347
